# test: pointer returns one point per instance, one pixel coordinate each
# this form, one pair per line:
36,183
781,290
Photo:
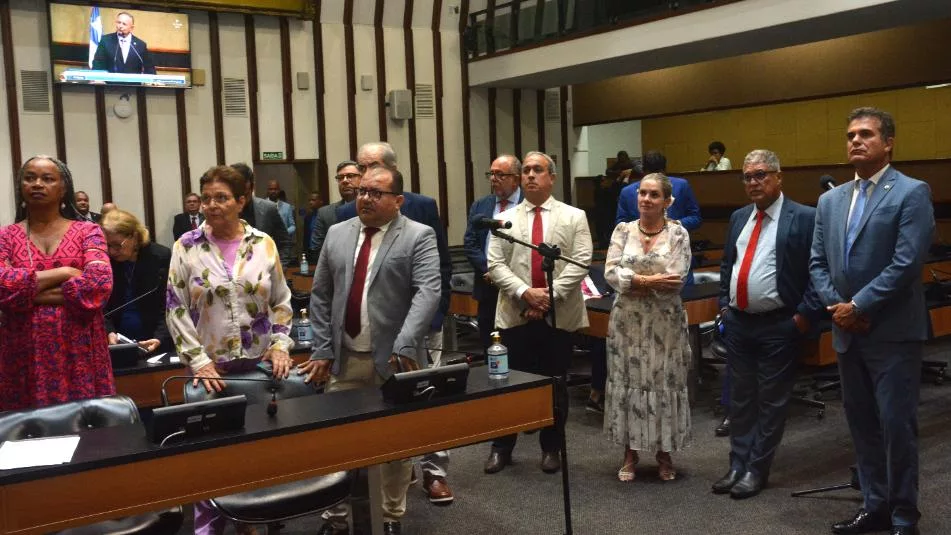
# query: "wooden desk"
116,472
299,283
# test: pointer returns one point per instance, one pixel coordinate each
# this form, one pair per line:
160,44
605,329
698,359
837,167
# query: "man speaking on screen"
123,52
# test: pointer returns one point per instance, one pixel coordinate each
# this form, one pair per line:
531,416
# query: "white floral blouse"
215,316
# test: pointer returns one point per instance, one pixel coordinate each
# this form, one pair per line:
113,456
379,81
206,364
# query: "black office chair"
274,505
72,417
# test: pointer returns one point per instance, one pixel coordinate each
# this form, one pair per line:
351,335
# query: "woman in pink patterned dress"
54,280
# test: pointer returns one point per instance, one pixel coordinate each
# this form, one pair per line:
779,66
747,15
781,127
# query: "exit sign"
273,156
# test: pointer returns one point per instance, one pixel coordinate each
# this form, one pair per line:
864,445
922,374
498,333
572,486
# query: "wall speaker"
303,81
198,77
400,104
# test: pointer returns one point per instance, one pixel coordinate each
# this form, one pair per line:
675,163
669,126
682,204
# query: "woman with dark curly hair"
54,280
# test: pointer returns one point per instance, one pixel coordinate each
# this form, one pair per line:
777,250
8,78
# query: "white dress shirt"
868,191
545,215
124,43
762,289
362,342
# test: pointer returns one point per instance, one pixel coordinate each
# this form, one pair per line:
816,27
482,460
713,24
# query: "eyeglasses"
757,176
347,176
489,175
219,199
374,194
118,246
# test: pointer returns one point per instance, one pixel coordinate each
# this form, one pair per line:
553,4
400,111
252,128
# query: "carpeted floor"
523,500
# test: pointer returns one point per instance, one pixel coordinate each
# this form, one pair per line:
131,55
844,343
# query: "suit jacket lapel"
388,239
841,218
878,193
350,251
553,216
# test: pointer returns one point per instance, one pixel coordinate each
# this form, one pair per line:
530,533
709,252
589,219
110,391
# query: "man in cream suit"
522,312
372,300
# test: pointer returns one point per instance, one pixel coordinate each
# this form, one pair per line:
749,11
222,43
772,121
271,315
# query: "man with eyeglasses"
190,219
767,305
348,180
503,176
374,292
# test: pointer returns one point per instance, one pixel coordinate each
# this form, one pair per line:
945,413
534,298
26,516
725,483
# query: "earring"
62,206
23,204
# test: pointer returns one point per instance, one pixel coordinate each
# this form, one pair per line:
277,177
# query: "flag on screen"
95,33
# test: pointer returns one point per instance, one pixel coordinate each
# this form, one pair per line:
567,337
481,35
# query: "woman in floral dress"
646,405
54,280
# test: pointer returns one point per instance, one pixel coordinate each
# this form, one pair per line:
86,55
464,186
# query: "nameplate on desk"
416,385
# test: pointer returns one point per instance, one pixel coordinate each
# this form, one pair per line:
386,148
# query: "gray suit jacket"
326,217
268,220
403,291
884,272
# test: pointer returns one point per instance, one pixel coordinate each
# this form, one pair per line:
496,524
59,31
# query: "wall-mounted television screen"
104,45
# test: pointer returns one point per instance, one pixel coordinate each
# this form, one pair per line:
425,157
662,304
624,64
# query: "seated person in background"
718,161
684,208
54,280
138,267
82,208
190,218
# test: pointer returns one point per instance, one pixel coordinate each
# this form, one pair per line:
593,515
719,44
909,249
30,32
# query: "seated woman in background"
54,280
136,308
646,403
718,160
228,303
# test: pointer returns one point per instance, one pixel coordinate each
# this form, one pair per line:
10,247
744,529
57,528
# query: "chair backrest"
258,391
68,418
702,277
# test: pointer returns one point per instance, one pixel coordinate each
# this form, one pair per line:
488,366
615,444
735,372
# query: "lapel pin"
888,187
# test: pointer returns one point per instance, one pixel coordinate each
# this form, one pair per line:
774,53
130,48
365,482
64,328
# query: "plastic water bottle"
304,266
498,358
302,331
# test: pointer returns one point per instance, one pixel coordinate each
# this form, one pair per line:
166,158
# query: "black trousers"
538,348
880,390
762,352
486,318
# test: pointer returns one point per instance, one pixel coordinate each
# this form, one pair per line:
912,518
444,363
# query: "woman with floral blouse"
228,306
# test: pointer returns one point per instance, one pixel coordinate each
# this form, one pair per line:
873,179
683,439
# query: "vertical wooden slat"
493,136
410,54
380,69
565,155
466,134
351,75
442,179
183,167
517,120
540,117
250,43
145,158
216,87
490,30
58,127
10,80
323,174
287,84
105,171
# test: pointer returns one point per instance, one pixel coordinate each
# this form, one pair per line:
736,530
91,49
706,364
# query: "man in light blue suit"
871,238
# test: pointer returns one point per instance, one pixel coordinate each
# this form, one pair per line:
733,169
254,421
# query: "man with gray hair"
767,305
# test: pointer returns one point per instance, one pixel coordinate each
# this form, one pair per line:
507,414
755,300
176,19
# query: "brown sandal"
626,473
665,466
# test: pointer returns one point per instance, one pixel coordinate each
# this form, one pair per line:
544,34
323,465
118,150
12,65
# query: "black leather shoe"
391,528
862,522
328,529
725,483
497,461
551,462
748,486
723,430
905,530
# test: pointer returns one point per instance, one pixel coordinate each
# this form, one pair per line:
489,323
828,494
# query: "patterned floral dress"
646,405
54,353
214,315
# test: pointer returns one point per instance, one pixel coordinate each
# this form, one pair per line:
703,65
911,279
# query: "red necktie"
538,236
502,204
355,299
742,282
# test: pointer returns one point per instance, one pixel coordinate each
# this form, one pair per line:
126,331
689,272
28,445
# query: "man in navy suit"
504,176
767,304
684,208
871,238
190,219
421,209
123,52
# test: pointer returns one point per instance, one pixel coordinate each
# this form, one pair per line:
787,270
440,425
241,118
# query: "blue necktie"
857,211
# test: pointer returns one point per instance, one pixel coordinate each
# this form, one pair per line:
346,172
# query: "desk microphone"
467,356
826,182
271,406
487,223
162,281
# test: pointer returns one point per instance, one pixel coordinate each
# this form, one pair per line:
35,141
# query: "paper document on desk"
37,452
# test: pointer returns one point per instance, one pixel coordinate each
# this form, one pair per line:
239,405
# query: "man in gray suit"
263,215
374,294
870,241
348,180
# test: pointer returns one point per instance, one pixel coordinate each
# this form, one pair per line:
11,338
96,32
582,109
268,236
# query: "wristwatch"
855,308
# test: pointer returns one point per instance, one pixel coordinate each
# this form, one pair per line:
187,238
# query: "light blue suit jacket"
884,271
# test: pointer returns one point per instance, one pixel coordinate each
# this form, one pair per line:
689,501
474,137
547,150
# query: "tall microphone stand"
549,254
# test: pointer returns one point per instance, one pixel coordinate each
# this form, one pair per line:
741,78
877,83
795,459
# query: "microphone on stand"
468,357
487,223
826,182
